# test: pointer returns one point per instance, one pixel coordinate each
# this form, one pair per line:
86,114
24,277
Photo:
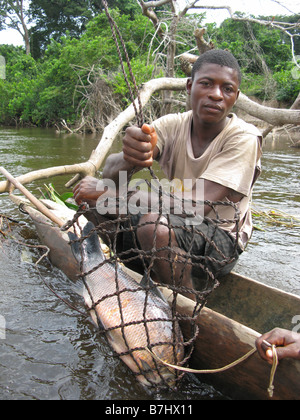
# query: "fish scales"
133,317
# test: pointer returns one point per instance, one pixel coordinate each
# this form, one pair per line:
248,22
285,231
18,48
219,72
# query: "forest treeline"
76,77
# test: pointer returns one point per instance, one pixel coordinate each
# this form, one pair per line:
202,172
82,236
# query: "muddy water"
49,351
273,255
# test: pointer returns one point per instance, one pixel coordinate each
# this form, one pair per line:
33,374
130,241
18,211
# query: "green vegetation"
42,92
273,217
57,80
65,199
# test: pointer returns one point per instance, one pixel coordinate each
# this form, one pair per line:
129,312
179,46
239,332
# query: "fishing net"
140,323
147,318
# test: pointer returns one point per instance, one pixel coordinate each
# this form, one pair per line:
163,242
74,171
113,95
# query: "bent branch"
273,116
109,135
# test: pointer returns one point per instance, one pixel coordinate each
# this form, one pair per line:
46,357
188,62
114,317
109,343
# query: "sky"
254,7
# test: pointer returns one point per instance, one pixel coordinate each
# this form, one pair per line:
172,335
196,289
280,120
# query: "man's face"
214,92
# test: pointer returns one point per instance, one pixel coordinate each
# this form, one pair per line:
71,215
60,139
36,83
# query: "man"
209,144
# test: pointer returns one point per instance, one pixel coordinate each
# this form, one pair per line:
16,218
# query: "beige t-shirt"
232,159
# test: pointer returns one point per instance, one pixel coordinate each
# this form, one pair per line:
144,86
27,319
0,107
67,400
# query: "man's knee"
154,232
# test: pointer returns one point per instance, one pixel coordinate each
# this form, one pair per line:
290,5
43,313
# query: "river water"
49,351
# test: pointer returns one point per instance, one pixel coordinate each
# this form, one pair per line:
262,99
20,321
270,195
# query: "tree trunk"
26,40
25,29
296,105
170,71
272,116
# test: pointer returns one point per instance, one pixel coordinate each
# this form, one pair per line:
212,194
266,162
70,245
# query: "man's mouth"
213,108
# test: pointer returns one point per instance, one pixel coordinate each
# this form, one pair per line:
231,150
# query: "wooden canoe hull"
222,340
238,312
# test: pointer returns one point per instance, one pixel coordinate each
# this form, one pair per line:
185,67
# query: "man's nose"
216,93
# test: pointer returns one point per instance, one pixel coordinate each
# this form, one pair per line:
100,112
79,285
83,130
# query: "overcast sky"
254,7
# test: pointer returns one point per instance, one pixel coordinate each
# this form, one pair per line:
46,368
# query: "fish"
136,318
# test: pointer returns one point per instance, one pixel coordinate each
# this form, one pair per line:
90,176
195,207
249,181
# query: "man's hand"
139,146
88,190
287,344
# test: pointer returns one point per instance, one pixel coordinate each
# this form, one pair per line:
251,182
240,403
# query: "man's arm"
212,191
139,151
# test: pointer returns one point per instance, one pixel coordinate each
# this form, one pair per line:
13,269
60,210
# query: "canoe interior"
254,304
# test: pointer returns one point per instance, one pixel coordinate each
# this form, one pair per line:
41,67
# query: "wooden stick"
37,203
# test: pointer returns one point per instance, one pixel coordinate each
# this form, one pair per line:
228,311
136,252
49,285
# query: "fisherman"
287,344
207,143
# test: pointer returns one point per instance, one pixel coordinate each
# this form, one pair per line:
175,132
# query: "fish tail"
89,249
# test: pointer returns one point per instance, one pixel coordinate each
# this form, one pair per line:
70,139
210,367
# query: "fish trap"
135,293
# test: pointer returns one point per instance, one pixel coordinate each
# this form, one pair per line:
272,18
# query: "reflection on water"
53,352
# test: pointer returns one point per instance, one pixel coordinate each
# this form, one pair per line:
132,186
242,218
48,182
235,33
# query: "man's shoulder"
239,126
179,118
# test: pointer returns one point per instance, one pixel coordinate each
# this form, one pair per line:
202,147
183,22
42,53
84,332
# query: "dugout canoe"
238,312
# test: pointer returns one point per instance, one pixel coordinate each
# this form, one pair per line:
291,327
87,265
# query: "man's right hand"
139,146
88,190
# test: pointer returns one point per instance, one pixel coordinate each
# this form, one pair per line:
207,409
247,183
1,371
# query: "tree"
167,25
70,70
276,38
15,15
52,20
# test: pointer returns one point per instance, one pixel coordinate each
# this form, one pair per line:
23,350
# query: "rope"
227,367
140,119
273,372
115,31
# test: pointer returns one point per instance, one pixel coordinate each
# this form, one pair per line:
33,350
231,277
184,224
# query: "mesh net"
134,292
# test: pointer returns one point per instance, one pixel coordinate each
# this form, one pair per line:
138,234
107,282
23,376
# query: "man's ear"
189,85
237,95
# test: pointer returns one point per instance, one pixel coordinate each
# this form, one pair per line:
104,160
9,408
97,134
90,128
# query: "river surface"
48,350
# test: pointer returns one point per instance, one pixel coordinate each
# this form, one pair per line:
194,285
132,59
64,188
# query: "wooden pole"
37,203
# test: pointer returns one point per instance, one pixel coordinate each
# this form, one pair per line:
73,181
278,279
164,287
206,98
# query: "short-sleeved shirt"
232,159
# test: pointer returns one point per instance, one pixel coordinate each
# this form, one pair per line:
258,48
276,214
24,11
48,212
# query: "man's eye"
228,89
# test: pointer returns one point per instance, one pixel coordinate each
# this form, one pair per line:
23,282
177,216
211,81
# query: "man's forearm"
114,165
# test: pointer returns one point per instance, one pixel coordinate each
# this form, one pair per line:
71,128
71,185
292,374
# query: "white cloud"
11,36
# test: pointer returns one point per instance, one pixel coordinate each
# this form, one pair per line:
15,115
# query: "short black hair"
220,57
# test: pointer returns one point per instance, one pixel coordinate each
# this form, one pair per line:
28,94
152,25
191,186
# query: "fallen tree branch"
273,116
109,135
82,168
114,128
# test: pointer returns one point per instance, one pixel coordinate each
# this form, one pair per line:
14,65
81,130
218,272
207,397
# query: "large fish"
119,303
